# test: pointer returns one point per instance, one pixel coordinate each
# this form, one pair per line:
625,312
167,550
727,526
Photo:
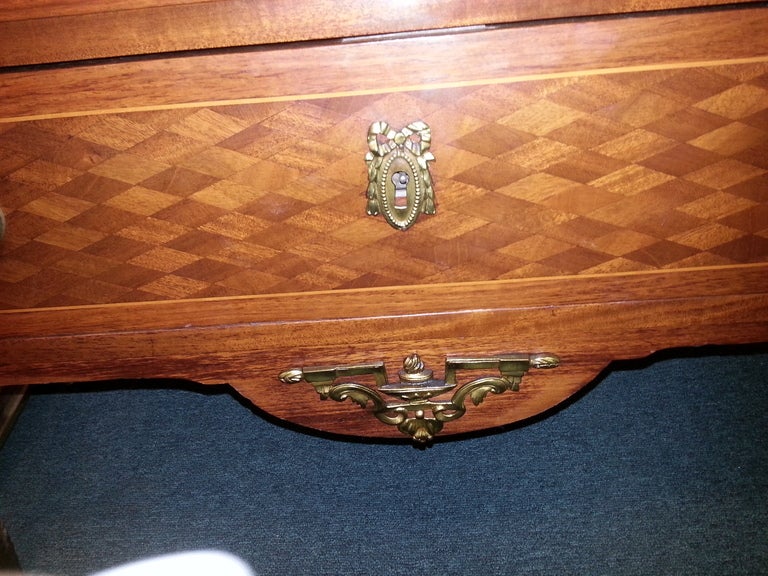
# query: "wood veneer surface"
247,342
607,173
504,55
64,30
608,176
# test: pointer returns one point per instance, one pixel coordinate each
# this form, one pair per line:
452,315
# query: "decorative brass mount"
416,387
399,182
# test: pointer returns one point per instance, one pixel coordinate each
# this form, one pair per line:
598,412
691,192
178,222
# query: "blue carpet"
660,468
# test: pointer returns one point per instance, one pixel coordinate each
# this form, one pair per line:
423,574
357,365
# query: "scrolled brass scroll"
416,414
399,182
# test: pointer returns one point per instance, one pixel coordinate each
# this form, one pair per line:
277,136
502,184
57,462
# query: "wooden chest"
185,191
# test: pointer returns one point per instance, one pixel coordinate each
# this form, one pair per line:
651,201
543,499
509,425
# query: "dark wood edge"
11,402
9,561
60,33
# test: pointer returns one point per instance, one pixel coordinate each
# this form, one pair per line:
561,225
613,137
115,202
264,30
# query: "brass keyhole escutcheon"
399,182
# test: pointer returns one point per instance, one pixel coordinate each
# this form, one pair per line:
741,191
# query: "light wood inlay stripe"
391,89
317,71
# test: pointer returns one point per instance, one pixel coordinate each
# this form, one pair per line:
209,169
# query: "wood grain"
333,70
64,30
247,342
562,140
646,170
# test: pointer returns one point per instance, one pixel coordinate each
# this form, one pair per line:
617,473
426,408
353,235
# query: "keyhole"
400,180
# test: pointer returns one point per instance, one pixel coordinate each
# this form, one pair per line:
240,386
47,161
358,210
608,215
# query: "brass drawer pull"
399,182
416,387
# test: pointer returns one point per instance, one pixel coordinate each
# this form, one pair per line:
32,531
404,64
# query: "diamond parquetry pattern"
581,175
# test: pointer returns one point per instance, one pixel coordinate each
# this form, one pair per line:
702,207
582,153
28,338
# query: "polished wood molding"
505,55
247,342
65,30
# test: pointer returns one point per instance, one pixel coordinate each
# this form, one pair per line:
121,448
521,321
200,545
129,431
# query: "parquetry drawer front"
602,173
201,208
